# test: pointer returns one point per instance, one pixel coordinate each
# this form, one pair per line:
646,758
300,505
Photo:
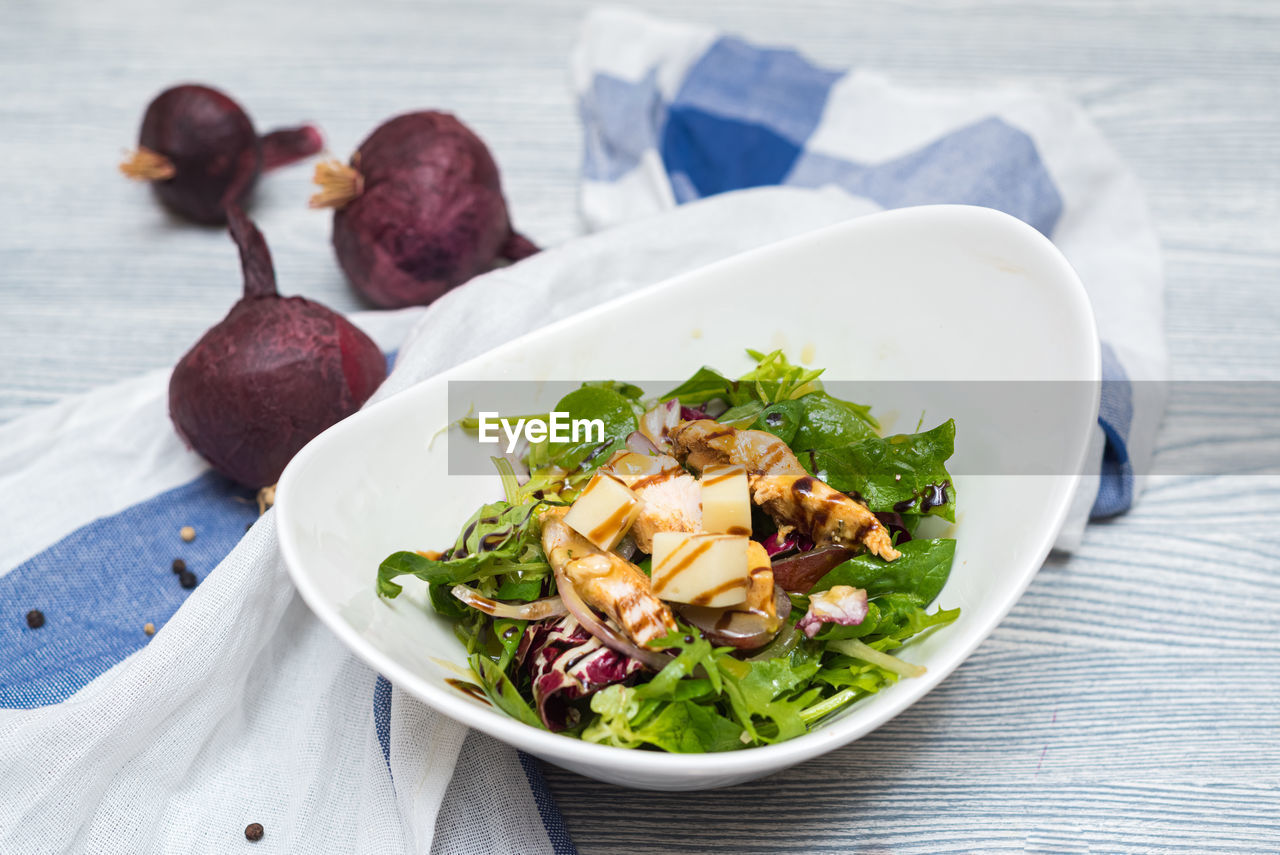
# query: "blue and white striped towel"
242,708
673,113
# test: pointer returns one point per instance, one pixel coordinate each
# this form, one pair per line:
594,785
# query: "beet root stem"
289,145
517,247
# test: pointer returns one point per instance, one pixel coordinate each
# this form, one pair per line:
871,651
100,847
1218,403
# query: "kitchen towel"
673,112
241,707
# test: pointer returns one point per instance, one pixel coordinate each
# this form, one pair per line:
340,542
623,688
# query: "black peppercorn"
35,618
179,565
187,579
254,831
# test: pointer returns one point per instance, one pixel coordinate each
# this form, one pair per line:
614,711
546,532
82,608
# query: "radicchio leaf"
842,604
565,663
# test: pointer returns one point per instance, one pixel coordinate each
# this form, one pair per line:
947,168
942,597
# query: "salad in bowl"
723,566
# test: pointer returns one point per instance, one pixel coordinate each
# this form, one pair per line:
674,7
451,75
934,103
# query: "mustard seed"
149,628
187,533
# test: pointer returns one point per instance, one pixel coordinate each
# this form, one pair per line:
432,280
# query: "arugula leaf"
443,600
520,589
921,571
775,379
502,692
904,473
695,652
508,632
499,538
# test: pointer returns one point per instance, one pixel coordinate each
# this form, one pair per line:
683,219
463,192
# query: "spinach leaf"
782,418
706,384
558,468
828,422
814,421
626,390
773,379
920,571
608,405
904,473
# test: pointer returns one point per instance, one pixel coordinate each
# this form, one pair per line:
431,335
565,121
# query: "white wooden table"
1131,702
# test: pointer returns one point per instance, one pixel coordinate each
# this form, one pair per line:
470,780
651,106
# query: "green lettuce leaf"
681,727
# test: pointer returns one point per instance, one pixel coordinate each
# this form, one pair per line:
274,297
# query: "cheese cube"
700,569
603,511
726,501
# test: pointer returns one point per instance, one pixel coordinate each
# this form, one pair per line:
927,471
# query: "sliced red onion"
536,610
793,542
840,604
801,572
737,626
895,525
640,444
657,424
782,645
608,636
626,547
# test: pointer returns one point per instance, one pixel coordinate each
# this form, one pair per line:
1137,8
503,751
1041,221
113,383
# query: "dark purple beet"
418,211
271,375
199,150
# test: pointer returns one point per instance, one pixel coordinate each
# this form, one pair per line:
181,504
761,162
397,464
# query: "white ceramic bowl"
930,293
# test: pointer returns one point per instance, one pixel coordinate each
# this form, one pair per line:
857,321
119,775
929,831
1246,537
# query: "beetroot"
270,376
201,154
419,210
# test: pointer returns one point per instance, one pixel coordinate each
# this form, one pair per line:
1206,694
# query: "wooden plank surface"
1131,701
